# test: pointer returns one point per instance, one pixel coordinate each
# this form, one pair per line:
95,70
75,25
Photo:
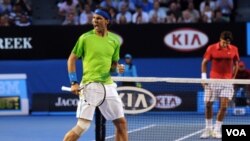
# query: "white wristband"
203,75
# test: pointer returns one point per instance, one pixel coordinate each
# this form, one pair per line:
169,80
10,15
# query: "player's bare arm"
204,70
204,65
235,69
72,69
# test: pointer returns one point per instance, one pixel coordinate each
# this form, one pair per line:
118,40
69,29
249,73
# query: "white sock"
217,126
209,123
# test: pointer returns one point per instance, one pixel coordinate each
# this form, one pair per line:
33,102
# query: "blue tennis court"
38,128
163,127
170,127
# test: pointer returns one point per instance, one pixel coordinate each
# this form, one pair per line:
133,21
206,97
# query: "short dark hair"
226,35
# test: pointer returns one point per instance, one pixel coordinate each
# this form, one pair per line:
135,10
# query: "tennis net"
172,109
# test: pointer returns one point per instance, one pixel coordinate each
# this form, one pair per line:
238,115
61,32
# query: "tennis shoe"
216,134
206,134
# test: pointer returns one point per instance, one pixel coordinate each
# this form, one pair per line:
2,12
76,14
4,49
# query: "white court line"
134,130
189,135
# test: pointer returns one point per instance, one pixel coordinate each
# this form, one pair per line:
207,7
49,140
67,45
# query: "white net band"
180,80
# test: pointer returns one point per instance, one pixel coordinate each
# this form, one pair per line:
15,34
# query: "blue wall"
248,38
47,76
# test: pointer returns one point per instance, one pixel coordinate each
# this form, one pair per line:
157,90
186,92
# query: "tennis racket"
92,93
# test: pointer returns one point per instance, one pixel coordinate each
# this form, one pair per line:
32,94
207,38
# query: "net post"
100,129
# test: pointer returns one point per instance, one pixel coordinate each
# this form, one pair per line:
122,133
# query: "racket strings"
94,93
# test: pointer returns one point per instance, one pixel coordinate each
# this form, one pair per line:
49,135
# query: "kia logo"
186,39
136,100
168,101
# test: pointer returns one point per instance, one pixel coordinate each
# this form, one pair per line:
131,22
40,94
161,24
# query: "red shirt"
222,60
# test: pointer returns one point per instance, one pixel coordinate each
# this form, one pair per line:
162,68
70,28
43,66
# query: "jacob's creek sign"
16,43
54,102
66,102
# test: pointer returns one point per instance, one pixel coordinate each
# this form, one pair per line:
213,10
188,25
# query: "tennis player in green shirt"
99,50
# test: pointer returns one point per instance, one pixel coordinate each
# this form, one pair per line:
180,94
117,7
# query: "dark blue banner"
143,41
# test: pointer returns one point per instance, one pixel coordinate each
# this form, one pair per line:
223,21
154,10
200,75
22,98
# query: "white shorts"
111,108
216,90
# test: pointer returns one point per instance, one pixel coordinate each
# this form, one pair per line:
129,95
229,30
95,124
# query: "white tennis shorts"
216,90
111,108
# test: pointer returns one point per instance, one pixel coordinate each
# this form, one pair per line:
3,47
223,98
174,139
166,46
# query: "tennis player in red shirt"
224,59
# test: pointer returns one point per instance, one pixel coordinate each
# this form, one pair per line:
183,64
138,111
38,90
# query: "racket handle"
64,88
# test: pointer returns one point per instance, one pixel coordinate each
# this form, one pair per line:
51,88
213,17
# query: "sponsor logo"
16,43
54,102
65,102
10,87
136,100
167,101
186,39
